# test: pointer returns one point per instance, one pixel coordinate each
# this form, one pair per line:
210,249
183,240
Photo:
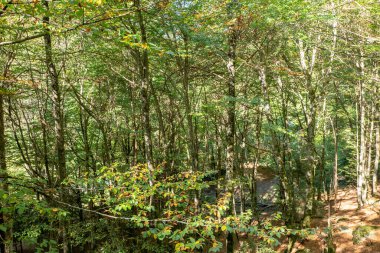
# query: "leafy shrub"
361,232
143,210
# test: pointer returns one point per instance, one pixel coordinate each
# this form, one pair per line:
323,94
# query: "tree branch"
39,35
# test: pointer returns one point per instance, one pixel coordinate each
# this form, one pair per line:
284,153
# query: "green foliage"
361,232
125,199
118,92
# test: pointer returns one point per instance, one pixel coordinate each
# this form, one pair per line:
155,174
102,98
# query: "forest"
189,126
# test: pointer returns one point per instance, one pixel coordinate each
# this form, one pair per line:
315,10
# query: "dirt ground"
344,220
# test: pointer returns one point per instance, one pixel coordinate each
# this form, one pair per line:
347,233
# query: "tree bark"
231,94
192,137
377,154
56,99
361,170
369,152
334,126
143,62
58,118
189,118
309,151
6,244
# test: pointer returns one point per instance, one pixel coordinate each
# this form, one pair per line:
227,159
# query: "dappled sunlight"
189,126
345,220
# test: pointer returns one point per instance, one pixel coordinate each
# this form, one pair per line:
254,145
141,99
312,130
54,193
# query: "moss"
361,232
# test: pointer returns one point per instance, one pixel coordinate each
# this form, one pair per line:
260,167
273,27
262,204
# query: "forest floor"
345,220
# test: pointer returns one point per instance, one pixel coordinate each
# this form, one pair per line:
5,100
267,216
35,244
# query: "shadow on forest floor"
345,219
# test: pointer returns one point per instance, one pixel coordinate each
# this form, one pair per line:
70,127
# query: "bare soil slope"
345,220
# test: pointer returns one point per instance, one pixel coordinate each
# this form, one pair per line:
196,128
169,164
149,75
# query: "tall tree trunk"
6,243
193,142
334,123
279,155
369,152
361,170
56,99
257,157
334,126
5,219
377,154
144,90
231,94
57,117
189,118
310,118
231,60
321,178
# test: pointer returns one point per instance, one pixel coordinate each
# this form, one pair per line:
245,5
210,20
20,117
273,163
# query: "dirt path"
348,218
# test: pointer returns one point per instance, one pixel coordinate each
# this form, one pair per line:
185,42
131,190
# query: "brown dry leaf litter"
345,220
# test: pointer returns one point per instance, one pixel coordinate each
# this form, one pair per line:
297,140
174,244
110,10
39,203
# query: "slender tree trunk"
334,123
321,179
57,116
6,241
157,108
377,154
231,94
335,169
257,156
361,170
310,118
231,60
218,156
144,90
286,182
193,146
56,99
189,118
369,152
45,146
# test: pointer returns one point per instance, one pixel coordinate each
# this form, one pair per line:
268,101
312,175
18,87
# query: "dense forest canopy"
148,125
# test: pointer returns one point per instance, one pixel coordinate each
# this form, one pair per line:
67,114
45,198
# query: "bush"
361,232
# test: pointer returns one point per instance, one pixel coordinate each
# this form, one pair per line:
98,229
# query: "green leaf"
3,228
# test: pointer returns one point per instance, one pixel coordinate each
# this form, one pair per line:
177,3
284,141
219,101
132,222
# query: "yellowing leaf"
178,246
